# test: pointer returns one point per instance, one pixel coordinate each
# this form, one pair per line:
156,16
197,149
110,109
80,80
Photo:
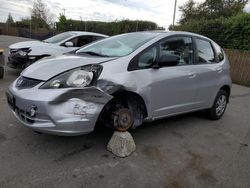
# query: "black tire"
219,107
1,72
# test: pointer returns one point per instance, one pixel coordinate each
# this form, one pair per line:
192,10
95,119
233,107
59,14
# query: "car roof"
169,33
78,33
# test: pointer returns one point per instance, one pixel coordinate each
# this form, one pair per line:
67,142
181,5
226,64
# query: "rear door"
209,72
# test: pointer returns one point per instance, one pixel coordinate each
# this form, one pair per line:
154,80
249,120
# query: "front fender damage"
85,103
89,103
136,105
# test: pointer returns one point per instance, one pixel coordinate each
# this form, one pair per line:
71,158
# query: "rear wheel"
219,106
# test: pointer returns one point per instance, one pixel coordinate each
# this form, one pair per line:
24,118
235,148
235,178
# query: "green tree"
109,28
188,11
238,31
62,23
210,9
40,15
9,19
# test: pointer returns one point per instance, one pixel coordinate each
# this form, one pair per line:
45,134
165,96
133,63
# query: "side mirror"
168,60
69,44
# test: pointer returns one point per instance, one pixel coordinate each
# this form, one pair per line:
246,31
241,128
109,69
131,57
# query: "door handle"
191,75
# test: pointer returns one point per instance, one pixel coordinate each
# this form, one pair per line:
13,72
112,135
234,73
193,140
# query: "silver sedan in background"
121,82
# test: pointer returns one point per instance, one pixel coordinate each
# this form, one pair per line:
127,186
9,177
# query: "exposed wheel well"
133,98
134,102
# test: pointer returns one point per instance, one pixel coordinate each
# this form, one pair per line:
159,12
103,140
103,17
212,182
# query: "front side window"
181,47
205,52
74,41
147,59
144,60
118,46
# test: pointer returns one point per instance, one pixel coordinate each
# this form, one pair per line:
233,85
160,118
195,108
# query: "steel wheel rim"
221,105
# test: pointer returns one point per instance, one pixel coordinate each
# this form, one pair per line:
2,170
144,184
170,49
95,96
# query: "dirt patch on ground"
154,153
194,174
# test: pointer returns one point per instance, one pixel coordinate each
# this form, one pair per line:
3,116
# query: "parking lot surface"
183,151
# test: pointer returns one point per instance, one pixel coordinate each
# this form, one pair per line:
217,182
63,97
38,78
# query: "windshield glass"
118,46
58,38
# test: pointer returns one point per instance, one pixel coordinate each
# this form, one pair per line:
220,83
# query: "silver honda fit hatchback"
121,82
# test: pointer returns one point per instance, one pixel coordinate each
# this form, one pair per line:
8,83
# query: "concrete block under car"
121,144
1,64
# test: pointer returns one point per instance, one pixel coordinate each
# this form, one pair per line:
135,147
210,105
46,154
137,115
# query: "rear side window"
219,52
83,40
97,38
205,52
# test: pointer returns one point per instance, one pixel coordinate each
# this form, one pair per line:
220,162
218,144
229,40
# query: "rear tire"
219,106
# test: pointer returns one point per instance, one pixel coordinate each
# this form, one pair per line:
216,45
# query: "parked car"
121,82
1,64
22,54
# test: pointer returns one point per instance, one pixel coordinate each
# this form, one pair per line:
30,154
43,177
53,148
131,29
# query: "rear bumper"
58,111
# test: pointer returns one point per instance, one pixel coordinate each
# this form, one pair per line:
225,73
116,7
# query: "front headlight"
22,53
76,78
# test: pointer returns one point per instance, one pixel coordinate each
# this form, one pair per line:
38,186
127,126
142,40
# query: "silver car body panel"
75,111
57,65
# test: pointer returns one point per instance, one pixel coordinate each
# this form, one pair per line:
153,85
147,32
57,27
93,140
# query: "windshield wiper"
94,53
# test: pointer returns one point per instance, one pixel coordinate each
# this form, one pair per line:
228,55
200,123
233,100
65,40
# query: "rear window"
219,52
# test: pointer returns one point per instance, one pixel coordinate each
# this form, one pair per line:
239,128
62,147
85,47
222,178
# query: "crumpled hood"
28,44
40,48
50,67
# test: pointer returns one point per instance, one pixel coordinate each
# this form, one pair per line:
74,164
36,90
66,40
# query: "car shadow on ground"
68,146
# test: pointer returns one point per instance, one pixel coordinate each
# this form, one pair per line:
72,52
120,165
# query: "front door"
174,88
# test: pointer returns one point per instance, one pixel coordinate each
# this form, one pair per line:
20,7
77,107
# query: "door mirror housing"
168,60
69,44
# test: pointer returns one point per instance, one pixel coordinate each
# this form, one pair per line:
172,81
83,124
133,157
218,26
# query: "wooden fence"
240,66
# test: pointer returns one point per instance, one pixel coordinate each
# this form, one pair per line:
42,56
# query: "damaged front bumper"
16,61
57,111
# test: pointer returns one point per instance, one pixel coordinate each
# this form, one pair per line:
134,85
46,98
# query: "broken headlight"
23,51
76,78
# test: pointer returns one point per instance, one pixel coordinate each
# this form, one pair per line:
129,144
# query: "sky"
158,11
